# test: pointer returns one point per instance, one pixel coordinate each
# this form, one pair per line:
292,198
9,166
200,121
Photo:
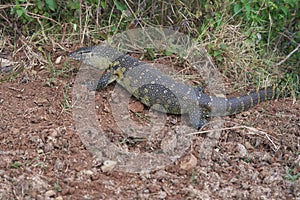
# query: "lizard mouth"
79,54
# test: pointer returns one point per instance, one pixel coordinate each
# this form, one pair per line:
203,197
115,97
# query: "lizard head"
81,54
98,56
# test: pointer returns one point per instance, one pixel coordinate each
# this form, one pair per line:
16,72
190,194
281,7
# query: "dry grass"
241,62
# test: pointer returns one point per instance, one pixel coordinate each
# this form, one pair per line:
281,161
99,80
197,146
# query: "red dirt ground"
43,157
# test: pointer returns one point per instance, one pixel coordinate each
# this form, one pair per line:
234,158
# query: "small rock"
107,108
58,165
108,165
116,99
266,157
136,107
52,110
161,195
59,198
245,113
58,60
3,164
242,150
154,188
33,72
297,188
25,79
190,164
248,146
48,147
88,172
6,62
53,133
168,144
61,130
50,194
174,120
297,165
40,151
14,130
19,96
41,101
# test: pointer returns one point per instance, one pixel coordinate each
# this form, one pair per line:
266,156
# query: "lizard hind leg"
197,118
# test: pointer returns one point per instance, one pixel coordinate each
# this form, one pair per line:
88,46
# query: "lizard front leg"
115,73
106,79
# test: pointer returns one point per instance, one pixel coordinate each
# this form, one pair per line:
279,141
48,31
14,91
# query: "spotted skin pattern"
159,91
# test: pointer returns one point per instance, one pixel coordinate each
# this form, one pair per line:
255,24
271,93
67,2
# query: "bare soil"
43,157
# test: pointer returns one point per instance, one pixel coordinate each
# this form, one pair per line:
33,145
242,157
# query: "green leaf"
223,46
150,53
16,165
216,53
40,5
248,8
20,11
284,10
119,5
236,8
51,4
168,53
103,4
219,58
57,187
75,5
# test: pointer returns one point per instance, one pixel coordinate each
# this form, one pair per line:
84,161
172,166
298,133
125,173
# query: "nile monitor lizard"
153,88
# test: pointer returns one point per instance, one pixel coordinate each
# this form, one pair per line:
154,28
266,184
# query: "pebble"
50,193
190,164
88,172
248,145
40,151
108,165
136,107
41,101
242,150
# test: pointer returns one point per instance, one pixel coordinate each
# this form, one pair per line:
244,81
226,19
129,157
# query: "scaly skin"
161,92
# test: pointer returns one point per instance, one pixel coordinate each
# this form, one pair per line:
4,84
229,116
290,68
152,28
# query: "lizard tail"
220,106
243,103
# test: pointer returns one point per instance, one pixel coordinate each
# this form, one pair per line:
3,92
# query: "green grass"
16,165
252,43
290,175
57,187
65,102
